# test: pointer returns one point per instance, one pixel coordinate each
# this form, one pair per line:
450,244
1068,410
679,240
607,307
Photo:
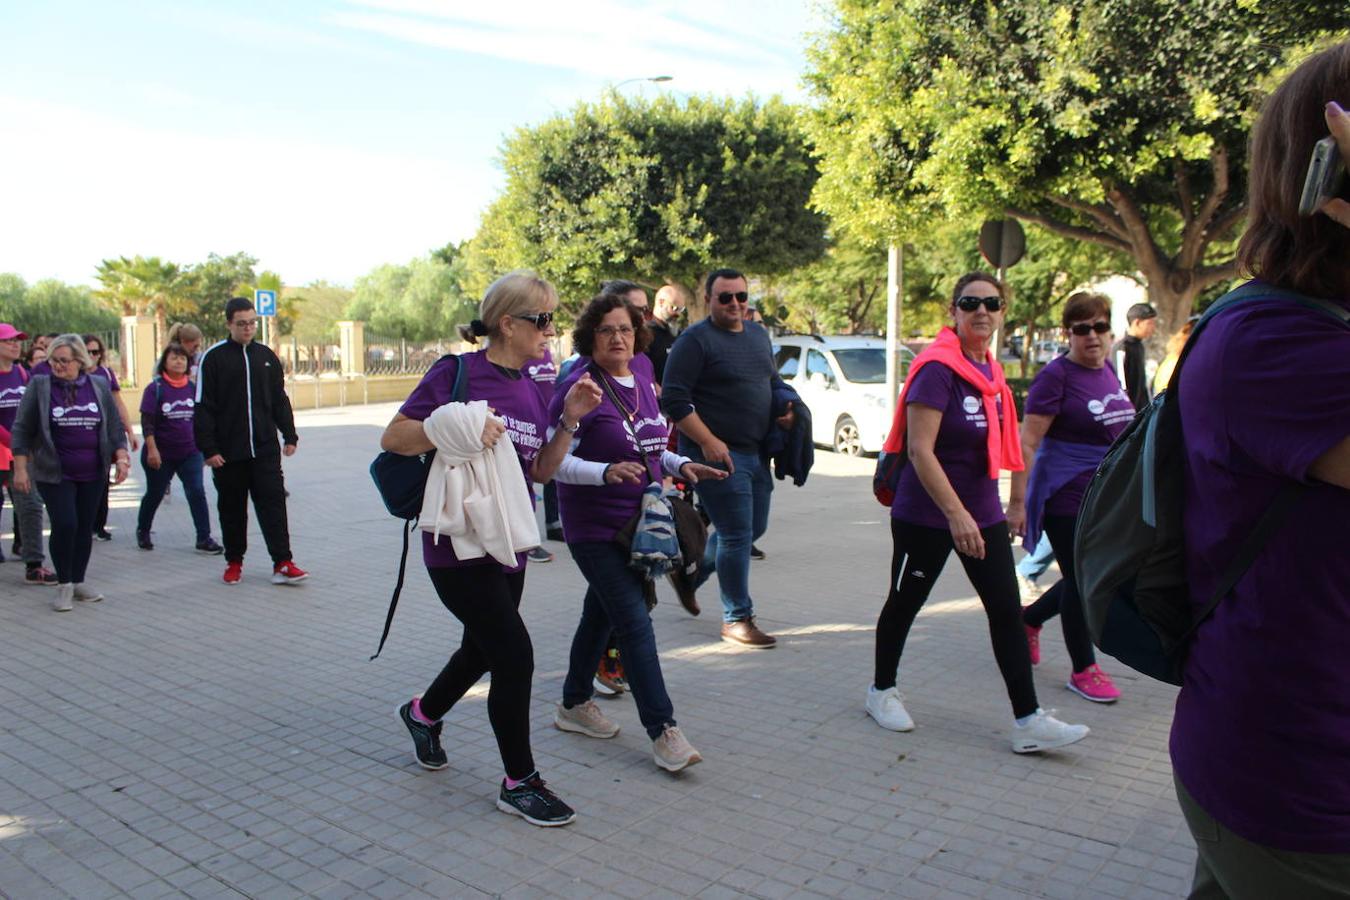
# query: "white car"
843,381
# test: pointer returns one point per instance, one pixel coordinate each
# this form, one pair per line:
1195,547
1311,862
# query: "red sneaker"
1033,641
1094,684
288,573
233,572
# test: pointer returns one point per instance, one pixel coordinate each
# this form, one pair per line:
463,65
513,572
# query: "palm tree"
143,286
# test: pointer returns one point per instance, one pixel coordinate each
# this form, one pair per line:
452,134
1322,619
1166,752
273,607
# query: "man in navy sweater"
718,390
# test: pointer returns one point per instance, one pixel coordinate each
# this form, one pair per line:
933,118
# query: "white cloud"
79,187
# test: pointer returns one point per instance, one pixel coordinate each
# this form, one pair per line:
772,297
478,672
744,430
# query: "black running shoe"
426,740
210,547
755,552
103,534
143,540
535,803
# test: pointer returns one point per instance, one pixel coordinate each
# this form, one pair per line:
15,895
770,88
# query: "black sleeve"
282,414
206,407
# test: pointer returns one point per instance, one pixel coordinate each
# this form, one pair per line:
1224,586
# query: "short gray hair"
77,349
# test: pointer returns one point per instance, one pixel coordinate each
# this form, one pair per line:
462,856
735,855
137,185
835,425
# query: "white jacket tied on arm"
475,494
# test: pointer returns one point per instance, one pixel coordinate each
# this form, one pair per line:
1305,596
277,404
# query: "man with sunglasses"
718,389
241,404
1131,357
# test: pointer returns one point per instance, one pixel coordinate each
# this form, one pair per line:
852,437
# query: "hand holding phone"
1326,177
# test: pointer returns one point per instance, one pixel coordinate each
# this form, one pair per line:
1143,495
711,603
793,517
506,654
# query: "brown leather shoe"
684,589
747,634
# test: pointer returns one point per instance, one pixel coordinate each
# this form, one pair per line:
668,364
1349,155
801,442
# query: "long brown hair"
1309,254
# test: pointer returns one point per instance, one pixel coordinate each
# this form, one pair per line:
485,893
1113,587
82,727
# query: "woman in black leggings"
516,316
958,426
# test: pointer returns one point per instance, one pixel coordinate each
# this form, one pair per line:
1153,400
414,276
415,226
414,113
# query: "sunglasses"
970,304
540,320
1083,329
739,296
95,352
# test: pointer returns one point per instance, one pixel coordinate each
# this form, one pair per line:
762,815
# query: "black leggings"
917,557
487,600
71,506
1063,597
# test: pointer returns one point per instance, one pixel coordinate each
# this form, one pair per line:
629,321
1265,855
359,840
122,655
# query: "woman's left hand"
582,397
693,472
1017,519
121,468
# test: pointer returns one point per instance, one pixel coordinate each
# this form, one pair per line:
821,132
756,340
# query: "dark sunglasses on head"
970,304
539,320
739,296
1083,329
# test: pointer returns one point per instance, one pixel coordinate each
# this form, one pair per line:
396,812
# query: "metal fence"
398,356
310,358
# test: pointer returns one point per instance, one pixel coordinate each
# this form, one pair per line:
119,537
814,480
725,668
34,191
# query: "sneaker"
288,573
39,575
539,555
143,540
64,594
1033,640
609,674
1028,588
234,570
426,740
1045,732
210,547
87,594
887,709
683,583
673,752
584,718
103,534
554,533
603,687
535,803
756,553
1094,684
747,634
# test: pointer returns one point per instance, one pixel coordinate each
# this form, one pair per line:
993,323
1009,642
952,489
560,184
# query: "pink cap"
9,332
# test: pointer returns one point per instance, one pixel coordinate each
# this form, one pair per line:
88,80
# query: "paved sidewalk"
185,738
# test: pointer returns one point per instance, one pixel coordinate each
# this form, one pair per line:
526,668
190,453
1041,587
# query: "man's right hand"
215,461
715,452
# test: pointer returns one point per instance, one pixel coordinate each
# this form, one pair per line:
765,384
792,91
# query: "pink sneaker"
1093,684
1033,641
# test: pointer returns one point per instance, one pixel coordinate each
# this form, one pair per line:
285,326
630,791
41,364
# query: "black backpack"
401,481
1129,545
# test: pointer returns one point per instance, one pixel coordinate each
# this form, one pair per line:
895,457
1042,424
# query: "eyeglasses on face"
94,352
726,297
540,320
970,304
61,360
244,323
1083,329
608,331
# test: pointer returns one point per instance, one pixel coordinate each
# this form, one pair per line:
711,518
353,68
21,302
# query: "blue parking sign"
265,302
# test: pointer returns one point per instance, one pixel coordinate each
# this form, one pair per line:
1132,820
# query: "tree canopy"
50,305
653,190
419,301
1122,123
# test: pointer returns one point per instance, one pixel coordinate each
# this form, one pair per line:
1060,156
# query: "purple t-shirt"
1261,736
1089,406
544,374
596,512
171,419
516,400
12,385
75,422
962,448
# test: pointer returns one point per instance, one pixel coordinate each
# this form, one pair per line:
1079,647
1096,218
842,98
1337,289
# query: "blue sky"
323,136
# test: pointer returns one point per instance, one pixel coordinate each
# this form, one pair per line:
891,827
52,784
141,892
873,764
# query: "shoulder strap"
628,417
460,387
398,585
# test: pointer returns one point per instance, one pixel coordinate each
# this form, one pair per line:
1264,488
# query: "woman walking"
616,451
67,433
1074,410
516,316
958,425
167,407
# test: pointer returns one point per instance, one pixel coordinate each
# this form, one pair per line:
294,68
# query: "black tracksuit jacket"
242,403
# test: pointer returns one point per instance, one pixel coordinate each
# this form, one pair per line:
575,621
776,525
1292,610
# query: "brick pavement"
186,738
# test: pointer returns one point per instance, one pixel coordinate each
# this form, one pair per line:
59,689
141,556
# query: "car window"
787,359
867,365
817,365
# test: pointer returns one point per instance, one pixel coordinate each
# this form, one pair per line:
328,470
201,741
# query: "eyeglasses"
244,323
61,360
726,297
540,320
608,331
1083,329
970,304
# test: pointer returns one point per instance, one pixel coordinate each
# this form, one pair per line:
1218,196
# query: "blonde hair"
77,349
181,331
515,293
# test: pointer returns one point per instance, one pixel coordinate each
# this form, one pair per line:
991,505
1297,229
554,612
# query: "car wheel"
847,440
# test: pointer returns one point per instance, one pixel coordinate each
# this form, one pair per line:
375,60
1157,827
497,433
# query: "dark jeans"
487,601
738,506
1063,597
157,481
552,517
27,523
917,557
614,600
262,478
71,506
101,513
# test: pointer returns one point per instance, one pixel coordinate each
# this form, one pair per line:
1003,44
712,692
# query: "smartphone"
1326,176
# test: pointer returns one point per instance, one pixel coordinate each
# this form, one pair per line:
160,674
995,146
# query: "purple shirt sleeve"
433,391
932,386
1045,397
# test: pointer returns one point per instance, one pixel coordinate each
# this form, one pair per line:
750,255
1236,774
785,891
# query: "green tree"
1121,123
419,301
653,190
51,305
321,306
145,286
211,283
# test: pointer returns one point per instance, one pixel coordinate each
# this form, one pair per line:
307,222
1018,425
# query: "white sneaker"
584,718
673,752
1045,732
886,708
87,594
1029,589
64,594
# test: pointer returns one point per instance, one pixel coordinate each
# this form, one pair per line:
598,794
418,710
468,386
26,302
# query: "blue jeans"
71,505
1034,564
739,508
189,472
614,600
